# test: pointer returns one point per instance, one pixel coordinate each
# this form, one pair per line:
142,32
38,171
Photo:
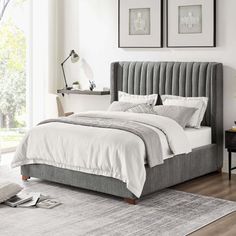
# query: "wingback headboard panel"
189,79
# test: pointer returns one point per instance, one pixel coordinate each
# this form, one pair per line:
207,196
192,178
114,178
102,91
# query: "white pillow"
149,99
8,190
200,103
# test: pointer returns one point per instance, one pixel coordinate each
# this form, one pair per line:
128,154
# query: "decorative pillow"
200,103
149,99
122,106
8,190
181,115
142,108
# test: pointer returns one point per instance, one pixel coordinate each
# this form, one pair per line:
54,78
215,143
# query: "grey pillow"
122,106
8,190
181,115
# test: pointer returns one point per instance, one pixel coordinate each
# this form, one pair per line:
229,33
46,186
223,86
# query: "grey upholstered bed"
176,78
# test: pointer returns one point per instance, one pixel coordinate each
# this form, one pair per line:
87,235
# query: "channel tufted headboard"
189,79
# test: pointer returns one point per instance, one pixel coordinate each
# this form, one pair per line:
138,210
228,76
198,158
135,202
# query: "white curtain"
43,61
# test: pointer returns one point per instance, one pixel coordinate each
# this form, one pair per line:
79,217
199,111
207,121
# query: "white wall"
90,27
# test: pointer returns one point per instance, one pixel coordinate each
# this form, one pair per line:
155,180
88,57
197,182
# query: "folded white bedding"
196,138
101,151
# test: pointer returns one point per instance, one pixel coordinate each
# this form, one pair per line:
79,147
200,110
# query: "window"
14,38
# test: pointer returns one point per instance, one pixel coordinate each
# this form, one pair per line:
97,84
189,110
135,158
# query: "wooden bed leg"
24,177
130,201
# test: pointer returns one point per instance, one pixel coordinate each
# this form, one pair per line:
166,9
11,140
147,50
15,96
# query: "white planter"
75,86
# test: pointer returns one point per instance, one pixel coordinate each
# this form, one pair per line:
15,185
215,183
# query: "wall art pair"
189,23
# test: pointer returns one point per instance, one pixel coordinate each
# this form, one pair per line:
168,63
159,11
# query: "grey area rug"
168,212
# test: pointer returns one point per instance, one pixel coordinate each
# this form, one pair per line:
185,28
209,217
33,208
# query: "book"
32,202
18,199
48,203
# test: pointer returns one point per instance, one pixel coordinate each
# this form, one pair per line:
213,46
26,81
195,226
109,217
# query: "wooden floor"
214,185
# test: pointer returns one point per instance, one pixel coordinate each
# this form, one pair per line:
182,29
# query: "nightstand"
230,144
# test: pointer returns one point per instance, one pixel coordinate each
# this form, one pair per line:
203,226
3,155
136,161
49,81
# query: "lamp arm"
64,75
62,66
65,60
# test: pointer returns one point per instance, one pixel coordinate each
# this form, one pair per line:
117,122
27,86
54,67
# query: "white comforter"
101,151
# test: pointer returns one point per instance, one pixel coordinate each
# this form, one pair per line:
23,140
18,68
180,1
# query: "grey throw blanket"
148,135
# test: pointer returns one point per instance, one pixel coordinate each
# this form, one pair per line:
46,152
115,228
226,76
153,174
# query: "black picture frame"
192,46
161,29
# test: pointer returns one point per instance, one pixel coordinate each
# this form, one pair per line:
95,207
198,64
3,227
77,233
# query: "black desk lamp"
74,58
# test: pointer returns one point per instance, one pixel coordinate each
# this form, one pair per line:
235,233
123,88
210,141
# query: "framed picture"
140,23
191,23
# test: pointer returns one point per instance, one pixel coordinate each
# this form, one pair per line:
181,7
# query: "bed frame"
190,79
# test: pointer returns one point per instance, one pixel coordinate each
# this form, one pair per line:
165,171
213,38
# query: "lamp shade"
74,57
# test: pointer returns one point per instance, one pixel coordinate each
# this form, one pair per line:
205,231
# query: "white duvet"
101,151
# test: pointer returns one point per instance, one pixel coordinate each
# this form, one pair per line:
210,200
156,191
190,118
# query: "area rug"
168,212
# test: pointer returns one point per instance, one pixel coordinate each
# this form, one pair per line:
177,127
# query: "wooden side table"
230,145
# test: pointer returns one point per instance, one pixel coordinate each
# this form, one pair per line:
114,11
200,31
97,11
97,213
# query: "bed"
189,79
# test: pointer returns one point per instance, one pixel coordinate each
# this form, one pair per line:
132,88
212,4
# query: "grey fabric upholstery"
181,168
174,171
175,78
187,79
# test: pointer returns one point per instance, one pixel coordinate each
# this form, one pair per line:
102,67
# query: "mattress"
198,137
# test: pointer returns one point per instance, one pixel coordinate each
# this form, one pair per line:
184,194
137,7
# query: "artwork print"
140,21
190,19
